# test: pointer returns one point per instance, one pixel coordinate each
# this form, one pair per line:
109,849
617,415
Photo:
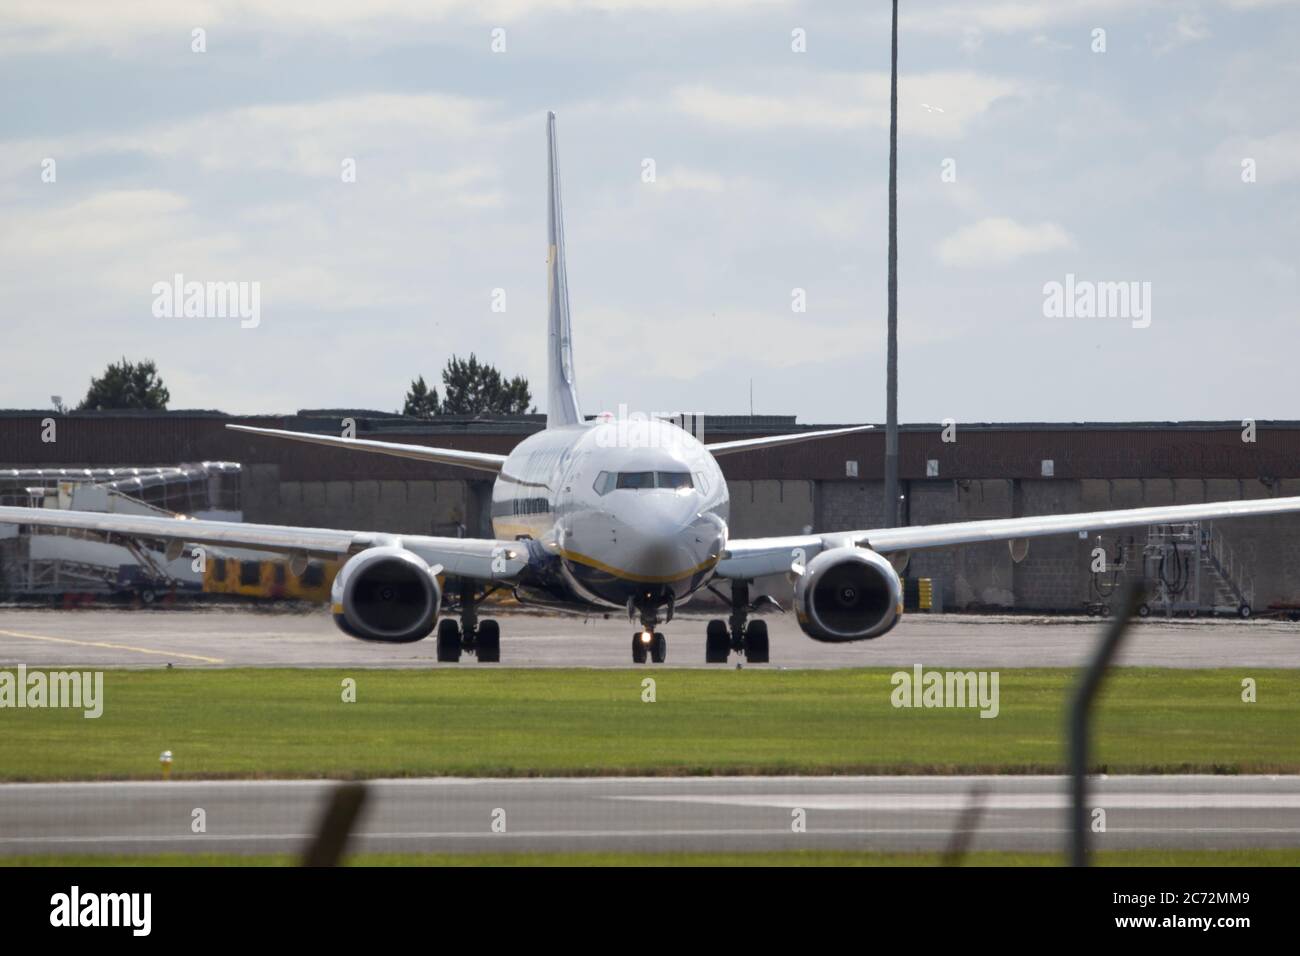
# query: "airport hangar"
980,471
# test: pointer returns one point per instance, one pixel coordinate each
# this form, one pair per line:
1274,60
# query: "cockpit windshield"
636,479
672,479
607,481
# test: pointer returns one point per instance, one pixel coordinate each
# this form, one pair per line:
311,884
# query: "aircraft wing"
754,557
481,558
771,441
446,456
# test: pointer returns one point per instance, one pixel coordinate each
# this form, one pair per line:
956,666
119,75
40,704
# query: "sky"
724,170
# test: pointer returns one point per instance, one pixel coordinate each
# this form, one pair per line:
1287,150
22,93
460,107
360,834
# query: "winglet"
562,389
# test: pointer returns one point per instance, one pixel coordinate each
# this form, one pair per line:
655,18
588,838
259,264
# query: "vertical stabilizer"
562,389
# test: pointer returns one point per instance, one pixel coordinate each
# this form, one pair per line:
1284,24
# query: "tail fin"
562,389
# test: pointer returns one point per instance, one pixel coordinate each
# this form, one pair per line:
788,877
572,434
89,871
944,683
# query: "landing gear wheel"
756,642
1244,611
488,642
639,648
448,641
658,648
717,643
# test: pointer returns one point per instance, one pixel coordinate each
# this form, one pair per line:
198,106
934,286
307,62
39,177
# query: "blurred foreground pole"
963,833
1080,711
332,832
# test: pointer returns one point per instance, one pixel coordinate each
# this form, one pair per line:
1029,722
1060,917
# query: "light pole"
891,358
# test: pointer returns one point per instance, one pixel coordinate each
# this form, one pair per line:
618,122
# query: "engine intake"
386,594
848,594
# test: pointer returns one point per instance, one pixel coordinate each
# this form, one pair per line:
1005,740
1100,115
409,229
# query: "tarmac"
242,637
653,814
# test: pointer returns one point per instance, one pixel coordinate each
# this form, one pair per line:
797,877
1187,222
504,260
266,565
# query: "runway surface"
235,637
651,814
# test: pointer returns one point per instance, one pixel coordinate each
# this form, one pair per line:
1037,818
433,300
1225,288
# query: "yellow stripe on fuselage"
637,578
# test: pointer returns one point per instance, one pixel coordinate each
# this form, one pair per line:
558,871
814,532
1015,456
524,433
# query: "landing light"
645,637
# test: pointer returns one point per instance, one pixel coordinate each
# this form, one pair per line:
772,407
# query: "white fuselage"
630,510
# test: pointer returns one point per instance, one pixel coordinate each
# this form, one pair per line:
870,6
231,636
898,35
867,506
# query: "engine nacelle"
848,594
386,594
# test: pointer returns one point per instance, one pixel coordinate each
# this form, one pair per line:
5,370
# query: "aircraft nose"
670,537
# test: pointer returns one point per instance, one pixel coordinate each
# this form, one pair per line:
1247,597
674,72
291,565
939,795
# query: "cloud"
309,139
1043,41
1259,4
1022,16
41,26
606,338
997,241
1276,156
1010,16
1190,27
771,176
277,212
845,101
684,179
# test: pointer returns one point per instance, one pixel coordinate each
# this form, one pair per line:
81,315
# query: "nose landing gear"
649,642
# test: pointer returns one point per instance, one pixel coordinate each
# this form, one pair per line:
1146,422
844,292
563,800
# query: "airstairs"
1195,571
1189,571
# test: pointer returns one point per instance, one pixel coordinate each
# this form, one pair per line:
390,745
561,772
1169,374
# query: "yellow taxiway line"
116,647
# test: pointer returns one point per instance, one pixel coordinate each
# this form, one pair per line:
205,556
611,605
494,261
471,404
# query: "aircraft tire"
717,643
448,641
659,648
488,641
756,646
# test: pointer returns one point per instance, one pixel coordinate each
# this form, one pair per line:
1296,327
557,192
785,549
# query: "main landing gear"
738,634
469,634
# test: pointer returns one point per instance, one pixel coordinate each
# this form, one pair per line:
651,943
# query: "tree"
127,385
515,396
421,401
471,387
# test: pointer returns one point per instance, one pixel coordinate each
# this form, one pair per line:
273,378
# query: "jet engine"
386,594
848,594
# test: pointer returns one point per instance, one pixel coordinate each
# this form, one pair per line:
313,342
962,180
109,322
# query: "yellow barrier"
269,578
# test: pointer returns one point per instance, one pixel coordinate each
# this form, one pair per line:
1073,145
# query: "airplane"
609,513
